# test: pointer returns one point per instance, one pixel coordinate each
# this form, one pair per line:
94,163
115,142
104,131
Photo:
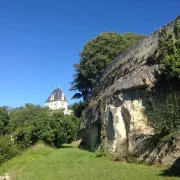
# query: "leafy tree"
94,58
77,108
26,136
32,123
23,116
7,149
4,120
23,123
57,129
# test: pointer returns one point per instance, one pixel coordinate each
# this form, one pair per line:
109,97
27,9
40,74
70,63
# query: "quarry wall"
115,119
138,55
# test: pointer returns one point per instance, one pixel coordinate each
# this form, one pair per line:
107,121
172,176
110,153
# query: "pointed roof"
57,96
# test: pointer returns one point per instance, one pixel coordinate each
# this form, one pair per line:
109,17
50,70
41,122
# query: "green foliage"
58,129
26,136
164,115
177,29
32,123
170,52
94,58
77,108
7,149
24,121
101,152
4,120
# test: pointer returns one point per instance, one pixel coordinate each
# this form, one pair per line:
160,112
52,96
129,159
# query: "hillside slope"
70,163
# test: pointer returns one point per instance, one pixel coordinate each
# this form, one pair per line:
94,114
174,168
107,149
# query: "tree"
4,120
32,123
94,58
57,129
7,149
77,108
24,123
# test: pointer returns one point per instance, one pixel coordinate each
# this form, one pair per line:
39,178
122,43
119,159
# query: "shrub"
77,108
100,152
32,123
58,129
8,149
164,115
169,54
26,136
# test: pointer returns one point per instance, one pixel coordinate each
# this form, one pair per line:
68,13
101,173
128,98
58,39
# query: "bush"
164,115
77,108
24,124
101,152
26,136
58,129
32,123
169,55
8,149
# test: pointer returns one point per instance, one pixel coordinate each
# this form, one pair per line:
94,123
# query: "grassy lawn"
45,163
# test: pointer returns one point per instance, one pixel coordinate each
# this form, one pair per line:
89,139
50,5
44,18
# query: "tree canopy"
32,123
4,120
77,108
94,58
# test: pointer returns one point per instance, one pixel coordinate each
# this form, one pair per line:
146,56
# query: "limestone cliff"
115,117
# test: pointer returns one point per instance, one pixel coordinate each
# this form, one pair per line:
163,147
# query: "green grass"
45,163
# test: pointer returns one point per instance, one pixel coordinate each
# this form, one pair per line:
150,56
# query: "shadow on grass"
174,170
67,146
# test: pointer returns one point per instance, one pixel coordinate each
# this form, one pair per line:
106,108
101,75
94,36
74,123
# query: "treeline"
23,127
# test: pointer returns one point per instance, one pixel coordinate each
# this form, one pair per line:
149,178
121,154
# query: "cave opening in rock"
110,127
95,137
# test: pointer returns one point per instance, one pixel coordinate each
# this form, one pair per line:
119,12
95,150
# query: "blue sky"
40,40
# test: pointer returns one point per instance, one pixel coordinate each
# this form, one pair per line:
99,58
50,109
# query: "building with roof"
57,100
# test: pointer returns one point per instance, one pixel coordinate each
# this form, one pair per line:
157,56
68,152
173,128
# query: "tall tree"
94,58
4,120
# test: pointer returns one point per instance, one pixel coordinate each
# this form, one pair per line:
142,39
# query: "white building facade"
57,100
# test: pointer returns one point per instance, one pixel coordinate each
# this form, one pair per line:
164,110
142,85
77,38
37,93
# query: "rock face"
5,177
115,117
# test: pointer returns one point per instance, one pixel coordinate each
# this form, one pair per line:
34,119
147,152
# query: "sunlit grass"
70,163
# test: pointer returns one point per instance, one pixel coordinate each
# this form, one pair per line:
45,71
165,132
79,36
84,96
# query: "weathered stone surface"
115,118
5,177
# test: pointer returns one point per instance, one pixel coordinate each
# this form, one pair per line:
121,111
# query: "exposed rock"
5,177
115,118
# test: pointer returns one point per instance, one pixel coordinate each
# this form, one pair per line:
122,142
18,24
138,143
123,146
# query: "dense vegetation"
8,149
94,58
164,115
4,120
30,124
169,45
42,162
164,111
77,108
